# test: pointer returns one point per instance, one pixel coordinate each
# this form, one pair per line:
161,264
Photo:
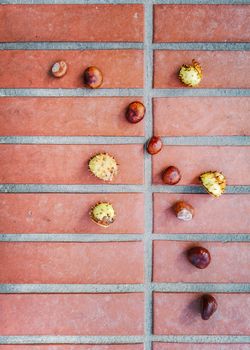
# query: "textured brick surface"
68,213
201,116
75,314
202,23
180,314
234,162
66,164
71,23
230,263
72,116
168,346
227,214
221,69
74,347
31,69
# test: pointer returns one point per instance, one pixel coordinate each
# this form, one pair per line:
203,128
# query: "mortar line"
228,339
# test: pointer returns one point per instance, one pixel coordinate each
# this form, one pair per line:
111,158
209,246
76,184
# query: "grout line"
207,140
203,237
202,2
227,339
191,92
237,189
201,287
203,46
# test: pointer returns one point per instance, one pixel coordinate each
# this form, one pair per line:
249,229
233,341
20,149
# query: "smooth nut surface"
171,175
154,145
199,257
59,69
208,306
135,112
92,77
184,211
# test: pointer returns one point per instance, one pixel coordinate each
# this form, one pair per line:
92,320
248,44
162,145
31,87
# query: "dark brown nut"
184,211
171,175
59,69
208,306
135,112
199,257
92,77
154,145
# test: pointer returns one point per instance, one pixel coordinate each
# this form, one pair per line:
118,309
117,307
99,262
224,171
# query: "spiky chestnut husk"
214,182
103,166
191,75
102,214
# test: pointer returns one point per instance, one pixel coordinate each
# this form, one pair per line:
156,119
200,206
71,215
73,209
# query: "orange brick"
233,161
174,346
31,69
229,263
71,116
68,213
71,314
201,116
227,214
207,23
66,164
221,69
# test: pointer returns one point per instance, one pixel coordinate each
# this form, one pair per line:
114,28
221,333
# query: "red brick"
68,213
66,164
221,69
201,116
207,23
227,214
233,161
31,69
77,263
230,263
179,313
71,314
71,116
73,347
174,346
54,23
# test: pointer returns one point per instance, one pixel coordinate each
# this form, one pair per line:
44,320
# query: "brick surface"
71,23
31,69
71,314
204,23
201,116
66,164
68,213
230,263
73,347
221,69
71,116
233,161
168,346
227,214
180,314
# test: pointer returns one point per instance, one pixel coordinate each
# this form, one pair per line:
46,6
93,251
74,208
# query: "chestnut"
171,175
184,211
154,145
59,69
208,306
199,257
92,77
135,112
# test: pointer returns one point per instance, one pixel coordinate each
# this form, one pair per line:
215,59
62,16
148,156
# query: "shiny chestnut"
208,306
154,145
59,69
92,77
199,257
171,175
184,211
135,112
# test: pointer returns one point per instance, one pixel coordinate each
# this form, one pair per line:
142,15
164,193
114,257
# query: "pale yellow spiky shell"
191,75
103,166
214,182
103,214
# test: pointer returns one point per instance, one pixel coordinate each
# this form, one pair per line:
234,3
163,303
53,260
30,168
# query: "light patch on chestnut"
184,211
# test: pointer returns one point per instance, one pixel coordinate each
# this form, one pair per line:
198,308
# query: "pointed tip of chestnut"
199,257
154,145
171,175
135,112
92,77
208,306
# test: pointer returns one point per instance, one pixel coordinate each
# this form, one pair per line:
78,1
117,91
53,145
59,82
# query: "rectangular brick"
71,314
233,161
227,214
71,116
207,23
77,263
174,346
230,263
221,69
66,164
179,313
69,213
201,116
31,69
73,347
71,23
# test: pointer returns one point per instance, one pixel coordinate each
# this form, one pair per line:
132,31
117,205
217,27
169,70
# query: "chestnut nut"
184,211
171,175
135,112
208,305
92,77
154,145
199,257
59,69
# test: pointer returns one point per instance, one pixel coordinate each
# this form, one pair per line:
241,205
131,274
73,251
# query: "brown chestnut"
59,69
171,175
199,257
135,112
92,77
184,211
208,306
154,145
